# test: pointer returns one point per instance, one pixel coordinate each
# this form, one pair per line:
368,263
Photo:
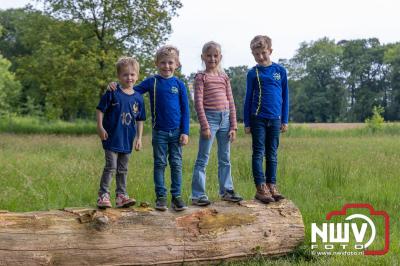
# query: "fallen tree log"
137,236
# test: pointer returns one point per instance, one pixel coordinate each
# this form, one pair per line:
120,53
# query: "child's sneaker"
123,201
263,194
274,192
178,204
103,201
161,204
201,201
232,196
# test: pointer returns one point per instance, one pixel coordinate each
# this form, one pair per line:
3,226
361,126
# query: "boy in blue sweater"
117,113
170,116
266,111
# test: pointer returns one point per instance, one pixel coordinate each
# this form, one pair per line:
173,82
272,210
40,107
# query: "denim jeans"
166,144
219,127
265,136
115,162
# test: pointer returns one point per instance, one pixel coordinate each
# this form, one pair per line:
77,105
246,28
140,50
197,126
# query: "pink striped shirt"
213,93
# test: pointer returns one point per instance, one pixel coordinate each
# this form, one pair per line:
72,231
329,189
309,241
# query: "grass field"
318,170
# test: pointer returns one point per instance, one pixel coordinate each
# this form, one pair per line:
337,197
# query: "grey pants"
115,162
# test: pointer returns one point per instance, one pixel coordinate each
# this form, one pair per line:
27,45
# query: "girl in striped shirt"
217,116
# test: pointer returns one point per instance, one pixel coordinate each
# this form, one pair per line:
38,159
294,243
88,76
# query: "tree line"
56,62
63,56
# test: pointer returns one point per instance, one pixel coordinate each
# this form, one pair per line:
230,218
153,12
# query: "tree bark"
142,236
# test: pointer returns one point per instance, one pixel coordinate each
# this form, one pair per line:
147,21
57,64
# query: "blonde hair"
216,46
127,61
261,41
168,51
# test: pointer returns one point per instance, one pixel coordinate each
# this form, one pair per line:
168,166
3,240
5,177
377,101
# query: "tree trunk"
137,236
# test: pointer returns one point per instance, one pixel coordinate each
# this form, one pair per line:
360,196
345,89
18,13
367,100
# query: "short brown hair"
261,41
127,61
168,51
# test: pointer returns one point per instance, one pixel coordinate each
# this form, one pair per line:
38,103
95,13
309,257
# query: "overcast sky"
287,22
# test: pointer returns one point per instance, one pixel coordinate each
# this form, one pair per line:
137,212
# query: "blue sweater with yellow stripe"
169,102
267,93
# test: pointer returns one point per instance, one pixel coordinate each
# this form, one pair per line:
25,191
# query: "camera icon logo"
354,234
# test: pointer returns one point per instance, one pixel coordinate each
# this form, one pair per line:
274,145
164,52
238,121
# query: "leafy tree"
9,87
375,122
392,58
319,91
65,60
138,26
366,76
11,44
56,63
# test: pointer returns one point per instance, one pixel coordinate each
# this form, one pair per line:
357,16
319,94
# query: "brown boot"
263,194
274,192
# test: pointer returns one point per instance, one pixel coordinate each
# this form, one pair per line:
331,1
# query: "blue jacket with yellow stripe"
267,93
169,102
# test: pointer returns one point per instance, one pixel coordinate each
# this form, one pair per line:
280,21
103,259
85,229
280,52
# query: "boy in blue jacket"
170,116
266,111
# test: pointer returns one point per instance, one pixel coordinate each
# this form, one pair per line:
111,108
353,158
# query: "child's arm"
199,106
184,138
247,102
100,130
101,108
138,141
140,118
285,103
144,86
232,111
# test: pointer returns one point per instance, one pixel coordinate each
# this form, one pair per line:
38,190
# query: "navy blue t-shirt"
121,110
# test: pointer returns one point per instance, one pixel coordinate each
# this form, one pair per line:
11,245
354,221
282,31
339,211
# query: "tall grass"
37,125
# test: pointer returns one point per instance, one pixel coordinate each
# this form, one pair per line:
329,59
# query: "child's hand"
247,130
112,86
232,135
138,144
206,133
102,133
184,139
284,128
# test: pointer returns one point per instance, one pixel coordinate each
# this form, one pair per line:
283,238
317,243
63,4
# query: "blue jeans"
219,127
166,144
265,136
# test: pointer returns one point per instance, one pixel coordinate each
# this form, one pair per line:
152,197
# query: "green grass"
318,172
37,125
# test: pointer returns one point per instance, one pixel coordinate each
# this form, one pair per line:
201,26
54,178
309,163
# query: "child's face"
128,77
166,66
262,56
212,58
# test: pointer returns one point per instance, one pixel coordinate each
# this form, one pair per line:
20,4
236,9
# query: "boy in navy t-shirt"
118,114
266,113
